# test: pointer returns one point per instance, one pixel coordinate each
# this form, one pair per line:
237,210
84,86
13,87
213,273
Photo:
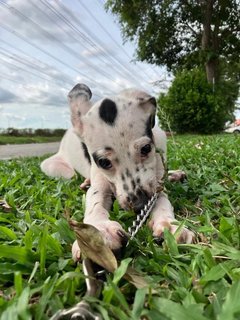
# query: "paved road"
11,151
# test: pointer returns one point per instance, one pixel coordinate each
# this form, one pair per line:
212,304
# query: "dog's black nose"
138,200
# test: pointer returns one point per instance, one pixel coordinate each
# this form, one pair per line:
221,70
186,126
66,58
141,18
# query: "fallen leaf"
6,207
135,278
92,245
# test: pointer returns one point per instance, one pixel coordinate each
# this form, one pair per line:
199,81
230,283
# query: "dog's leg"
85,185
98,204
176,175
163,217
56,166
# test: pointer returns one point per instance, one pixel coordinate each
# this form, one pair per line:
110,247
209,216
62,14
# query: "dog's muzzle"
138,201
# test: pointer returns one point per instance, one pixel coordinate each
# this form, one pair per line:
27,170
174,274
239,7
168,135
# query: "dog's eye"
105,163
146,149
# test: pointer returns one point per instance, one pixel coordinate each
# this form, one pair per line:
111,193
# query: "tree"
182,33
191,104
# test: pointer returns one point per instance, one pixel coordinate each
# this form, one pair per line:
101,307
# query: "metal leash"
145,212
83,310
142,216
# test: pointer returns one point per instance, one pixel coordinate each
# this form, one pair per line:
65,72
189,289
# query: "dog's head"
117,132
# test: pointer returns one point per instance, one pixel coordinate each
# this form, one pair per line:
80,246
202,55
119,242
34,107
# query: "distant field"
19,140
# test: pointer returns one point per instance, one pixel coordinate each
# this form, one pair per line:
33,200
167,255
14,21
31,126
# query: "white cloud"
13,116
6,96
38,83
96,52
41,15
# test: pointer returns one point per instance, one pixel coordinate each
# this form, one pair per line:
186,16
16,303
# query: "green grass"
34,139
198,281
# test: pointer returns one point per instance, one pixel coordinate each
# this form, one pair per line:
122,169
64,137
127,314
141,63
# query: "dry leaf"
92,245
6,207
135,278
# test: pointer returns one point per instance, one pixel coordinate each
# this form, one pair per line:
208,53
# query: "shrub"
193,105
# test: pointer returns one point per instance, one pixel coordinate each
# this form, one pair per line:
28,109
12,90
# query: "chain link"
145,212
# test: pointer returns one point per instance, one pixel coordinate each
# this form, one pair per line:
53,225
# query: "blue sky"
47,47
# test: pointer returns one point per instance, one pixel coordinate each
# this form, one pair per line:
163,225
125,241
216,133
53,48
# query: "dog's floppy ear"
149,104
145,101
79,101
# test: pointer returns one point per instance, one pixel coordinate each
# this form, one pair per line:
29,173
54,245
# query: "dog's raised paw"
113,234
176,175
184,236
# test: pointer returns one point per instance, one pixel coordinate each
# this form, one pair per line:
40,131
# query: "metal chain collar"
145,212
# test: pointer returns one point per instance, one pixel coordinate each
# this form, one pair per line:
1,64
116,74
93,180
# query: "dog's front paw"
176,175
76,253
185,235
113,234
85,185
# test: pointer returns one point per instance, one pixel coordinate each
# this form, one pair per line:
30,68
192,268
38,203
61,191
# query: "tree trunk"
208,41
211,70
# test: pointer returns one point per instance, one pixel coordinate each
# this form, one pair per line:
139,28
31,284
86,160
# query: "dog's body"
113,143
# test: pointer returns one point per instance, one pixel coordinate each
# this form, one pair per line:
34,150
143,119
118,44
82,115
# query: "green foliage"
184,35
28,132
15,136
169,32
193,105
197,281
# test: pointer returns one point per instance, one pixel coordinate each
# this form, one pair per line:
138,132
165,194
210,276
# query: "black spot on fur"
122,134
128,173
149,126
125,187
95,192
129,154
108,149
108,111
123,177
133,184
95,157
95,204
86,154
117,161
138,180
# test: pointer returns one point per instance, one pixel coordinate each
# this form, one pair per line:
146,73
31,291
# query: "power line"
87,39
82,36
97,40
17,67
109,34
76,31
33,62
55,39
101,4
7,77
20,60
17,34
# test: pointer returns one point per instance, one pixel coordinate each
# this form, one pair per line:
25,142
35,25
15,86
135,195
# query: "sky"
47,46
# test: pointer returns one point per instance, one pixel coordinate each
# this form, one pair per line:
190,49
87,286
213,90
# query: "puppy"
113,143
